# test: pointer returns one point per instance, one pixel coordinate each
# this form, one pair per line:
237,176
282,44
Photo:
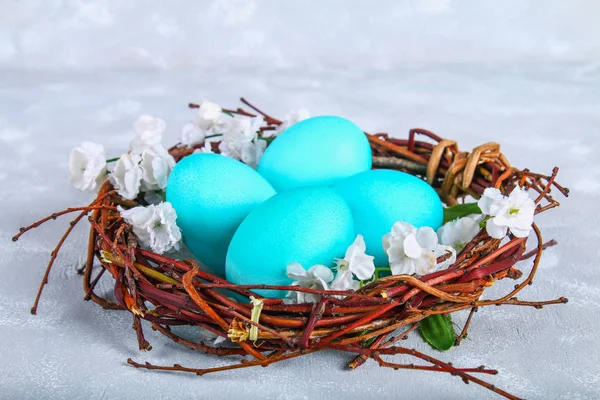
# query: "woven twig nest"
368,322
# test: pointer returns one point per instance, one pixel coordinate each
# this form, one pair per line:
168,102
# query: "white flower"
514,212
154,226
414,251
87,166
127,175
290,119
355,262
317,277
210,116
459,232
148,130
241,142
192,135
252,153
156,165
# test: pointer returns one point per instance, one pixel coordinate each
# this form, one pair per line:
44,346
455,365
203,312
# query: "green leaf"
460,210
438,331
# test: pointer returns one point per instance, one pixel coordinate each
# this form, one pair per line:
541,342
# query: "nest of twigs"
368,322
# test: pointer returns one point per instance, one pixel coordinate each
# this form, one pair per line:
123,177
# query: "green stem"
378,270
112,160
162,194
212,136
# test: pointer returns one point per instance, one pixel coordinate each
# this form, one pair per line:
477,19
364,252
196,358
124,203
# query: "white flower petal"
127,176
489,201
343,280
406,266
460,231
426,263
520,232
403,228
297,272
359,263
322,272
412,248
494,230
156,165
427,238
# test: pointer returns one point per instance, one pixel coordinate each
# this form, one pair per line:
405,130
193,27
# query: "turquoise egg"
380,198
315,151
212,194
306,225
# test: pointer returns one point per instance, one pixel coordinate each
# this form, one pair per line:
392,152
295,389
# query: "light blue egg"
212,194
316,151
380,198
306,225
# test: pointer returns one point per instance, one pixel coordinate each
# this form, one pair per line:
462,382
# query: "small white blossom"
252,153
127,175
290,119
87,166
148,133
241,141
154,225
317,277
356,262
514,212
414,251
192,135
156,165
210,117
459,232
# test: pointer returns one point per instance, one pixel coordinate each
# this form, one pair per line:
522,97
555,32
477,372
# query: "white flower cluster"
148,164
410,251
145,168
241,141
514,212
155,226
415,251
354,264
238,135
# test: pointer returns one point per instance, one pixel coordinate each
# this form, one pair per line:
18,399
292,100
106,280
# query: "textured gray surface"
543,111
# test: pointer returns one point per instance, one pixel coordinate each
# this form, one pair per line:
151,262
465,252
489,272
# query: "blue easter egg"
380,198
316,151
306,225
212,194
